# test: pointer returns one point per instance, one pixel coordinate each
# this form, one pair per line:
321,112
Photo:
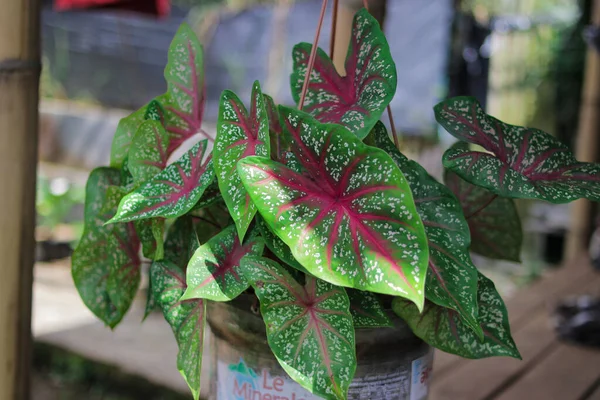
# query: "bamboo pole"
588,139
19,77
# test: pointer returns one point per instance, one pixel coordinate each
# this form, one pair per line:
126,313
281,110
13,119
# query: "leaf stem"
334,16
393,127
366,4
313,54
482,207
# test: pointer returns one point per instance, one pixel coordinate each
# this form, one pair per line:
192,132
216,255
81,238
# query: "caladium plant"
314,213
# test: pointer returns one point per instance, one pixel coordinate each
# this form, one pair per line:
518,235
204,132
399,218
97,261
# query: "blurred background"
523,60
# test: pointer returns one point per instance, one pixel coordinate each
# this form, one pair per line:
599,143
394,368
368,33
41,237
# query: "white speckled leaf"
184,74
309,328
494,222
181,242
187,319
239,134
213,272
349,216
171,193
124,135
451,276
148,153
277,246
525,163
101,247
358,99
278,145
366,309
443,328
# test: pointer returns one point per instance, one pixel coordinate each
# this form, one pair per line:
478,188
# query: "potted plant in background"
307,231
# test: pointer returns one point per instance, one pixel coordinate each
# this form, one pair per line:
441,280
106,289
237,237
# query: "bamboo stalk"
19,78
586,147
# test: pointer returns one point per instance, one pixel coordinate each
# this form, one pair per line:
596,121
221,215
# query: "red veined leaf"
278,145
277,246
443,328
525,163
309,328
184,74
148,152
172,192
348,215
186,317
239,134
451,275
358,99
155,110
493,220
366,310
101,251
213,272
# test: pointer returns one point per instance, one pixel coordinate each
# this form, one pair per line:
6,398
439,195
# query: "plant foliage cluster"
315,212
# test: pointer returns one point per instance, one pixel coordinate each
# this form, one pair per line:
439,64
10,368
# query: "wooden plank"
535,340
566,374
525,303
19,77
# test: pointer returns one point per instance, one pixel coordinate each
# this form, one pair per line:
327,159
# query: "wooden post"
588,139
19,78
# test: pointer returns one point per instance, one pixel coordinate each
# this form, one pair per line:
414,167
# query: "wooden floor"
550,370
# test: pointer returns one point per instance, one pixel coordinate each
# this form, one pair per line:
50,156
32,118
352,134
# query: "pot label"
420,376
240,382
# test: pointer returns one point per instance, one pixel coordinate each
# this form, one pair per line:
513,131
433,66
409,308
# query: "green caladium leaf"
186,317
213,272
181,242
239,134
444,329
366,310
278,144
358,99
493,221
309,328
148,154
171,193
151,234
277,246
104,251
124,134
184,74
348,215
524,163
451,275
155,110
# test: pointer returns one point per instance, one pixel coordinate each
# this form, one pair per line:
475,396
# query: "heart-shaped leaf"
525,163
239,134
184,74
186,317
171,193
366,310
124,134
104,249
309,328
348,216
277,246
181,242
278,145
151,234
213,272
148,154
443,328
493,221
358,99
451,276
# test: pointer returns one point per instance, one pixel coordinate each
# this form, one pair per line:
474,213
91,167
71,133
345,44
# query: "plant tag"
421,374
